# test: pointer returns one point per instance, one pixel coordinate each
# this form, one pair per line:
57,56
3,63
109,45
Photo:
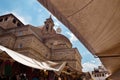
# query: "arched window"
6,18
18,24
95,75
14,21
1,19
47,27
103,75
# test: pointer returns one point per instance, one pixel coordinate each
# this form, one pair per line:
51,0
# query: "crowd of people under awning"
25,68
16,71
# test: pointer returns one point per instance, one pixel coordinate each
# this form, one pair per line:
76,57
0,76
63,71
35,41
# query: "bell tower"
49,24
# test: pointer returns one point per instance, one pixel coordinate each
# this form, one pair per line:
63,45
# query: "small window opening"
18,24
20,33
14,21
20,46
1,19
47,26
46,55
6,18
103,75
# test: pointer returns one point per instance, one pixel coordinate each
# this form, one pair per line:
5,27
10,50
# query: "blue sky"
32,12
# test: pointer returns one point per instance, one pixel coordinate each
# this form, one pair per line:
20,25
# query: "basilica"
41,43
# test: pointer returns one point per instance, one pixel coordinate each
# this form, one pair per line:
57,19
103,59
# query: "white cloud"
32,2
88,66
93,61
22,18
40,10
86,52
56,25
72,37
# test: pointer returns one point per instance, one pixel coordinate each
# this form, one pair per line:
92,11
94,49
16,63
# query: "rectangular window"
20,46
20,33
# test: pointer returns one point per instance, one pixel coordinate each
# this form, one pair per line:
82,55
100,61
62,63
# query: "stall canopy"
96,23
30,62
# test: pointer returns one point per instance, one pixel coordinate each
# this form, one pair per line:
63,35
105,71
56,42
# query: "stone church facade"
41,43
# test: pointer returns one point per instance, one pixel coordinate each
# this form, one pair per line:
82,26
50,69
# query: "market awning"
46,65
96,23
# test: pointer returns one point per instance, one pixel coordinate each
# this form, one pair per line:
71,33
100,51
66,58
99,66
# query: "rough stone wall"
7,40
25,38
8,22
1,30
40,47
30,41
63,54
36,31
24,30
77,55
23,42
31,53
67,55
19,31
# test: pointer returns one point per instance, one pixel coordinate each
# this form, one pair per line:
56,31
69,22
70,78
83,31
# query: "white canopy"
47,65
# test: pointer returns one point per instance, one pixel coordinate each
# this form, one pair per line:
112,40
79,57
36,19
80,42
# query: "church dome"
57,41
51,38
